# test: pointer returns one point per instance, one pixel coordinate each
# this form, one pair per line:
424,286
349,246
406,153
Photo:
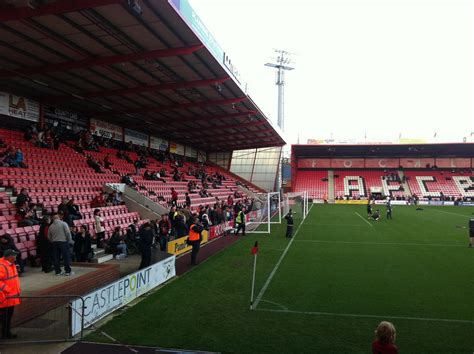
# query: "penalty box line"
386,317
384,243
272,274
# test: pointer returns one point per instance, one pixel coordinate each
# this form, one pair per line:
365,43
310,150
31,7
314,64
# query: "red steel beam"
137,89
234,126
225,116
113,59
246,133
172,107
53,8
240,143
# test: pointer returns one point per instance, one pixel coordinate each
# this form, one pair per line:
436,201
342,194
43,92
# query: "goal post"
297,202
266,211
271,208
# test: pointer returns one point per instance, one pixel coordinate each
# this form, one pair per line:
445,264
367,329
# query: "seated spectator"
109,201
157,177
163,172
2,143
117,243
28,218
94,164
128,180
147,175
98,201
7,243
16,159
23,199
118,199
107,162
73,210
83,244
385,335
42,140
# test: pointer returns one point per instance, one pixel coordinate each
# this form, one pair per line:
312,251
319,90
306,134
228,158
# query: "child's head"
385,332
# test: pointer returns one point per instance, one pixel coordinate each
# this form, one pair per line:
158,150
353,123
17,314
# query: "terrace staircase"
405,185
331,195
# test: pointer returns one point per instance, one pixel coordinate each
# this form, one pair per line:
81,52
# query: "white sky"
376,68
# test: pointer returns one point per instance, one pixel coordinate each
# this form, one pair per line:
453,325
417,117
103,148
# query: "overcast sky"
376,69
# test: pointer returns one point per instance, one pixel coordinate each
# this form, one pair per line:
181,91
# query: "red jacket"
9,284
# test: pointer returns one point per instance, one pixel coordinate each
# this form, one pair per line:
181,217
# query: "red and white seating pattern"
433,183
312,182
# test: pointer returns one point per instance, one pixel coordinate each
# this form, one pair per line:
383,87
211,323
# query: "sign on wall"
19,107
417,163
158,143
107,130
135,137
101,302
453,162
347,163
382,163
180,149
191,152
65,118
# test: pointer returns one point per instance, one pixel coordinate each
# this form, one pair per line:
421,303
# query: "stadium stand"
50,176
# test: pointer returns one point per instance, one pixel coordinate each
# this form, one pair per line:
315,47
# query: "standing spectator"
240,221
174,197
195,239
83,244
181,226
60,236
385,335
7,243
289,224
188,200
146,241
44,245
9,291
99,228
164,228
63,210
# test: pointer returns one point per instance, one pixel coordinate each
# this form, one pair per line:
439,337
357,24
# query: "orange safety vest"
193,235
9,284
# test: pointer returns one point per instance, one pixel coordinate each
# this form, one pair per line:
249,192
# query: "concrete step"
102,259
99,252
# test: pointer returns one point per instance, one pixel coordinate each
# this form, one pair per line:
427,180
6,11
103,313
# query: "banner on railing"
137,138
107,130
109,298
158,143
180,246
19,107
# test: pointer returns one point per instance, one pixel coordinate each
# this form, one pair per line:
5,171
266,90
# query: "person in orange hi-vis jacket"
9,291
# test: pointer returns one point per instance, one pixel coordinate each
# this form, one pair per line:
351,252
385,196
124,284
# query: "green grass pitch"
341,275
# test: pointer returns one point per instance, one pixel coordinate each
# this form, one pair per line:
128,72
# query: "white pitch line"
272,274
384,243
363,219
368,316
447,212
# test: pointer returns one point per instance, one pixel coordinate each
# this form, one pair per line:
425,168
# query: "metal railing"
42,319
